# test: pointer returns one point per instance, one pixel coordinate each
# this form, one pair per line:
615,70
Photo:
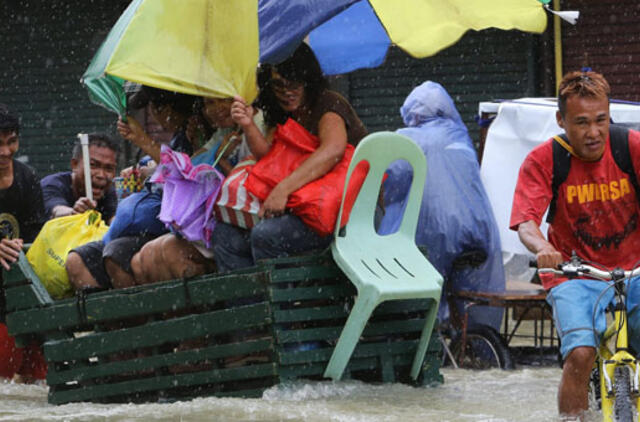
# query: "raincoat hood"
427,102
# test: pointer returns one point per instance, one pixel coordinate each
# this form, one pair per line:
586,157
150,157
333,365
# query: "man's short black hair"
9,122
98,140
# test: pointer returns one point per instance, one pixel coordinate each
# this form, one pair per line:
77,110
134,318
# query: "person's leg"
573,391
85,266
182,260
573,304
283,236
144,264
119,277
633,313
231,247
168,257
117,257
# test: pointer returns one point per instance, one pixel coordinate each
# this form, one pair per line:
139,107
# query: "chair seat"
392,277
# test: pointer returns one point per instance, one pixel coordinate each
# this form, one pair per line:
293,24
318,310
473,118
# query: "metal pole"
86,161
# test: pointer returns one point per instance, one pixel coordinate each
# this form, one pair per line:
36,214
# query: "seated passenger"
217,112
455,216
64,193
171,110
21,217
293,89
95,264
170,256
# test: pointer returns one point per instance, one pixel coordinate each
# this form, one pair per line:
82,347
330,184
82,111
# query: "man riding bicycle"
593,210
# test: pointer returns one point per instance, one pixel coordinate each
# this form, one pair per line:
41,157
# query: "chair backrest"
380,150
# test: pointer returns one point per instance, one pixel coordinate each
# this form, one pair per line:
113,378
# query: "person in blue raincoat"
455,218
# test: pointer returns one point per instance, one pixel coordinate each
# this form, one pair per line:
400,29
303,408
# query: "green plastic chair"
386,267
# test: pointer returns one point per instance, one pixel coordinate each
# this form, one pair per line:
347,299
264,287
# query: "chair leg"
362,310
424,340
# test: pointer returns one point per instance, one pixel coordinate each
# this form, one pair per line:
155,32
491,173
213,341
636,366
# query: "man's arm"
531,237
58,197
82,204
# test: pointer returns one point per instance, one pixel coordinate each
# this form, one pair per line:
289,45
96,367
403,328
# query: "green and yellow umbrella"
199,47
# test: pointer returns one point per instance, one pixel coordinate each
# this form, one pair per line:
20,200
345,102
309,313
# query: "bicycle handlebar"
576,268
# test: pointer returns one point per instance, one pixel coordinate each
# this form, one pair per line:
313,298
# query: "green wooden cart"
234,334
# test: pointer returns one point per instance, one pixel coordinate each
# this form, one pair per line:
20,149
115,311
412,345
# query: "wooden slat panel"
156,333
362,350
89,392
310,314
310,293
331,333
187,356
127,303
22,297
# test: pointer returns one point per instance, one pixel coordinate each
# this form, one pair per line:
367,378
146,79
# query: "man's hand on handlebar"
548,257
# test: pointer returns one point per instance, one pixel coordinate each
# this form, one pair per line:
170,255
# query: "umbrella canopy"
212,47
198,47
347,35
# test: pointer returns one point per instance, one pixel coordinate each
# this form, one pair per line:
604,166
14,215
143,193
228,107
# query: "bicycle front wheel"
623,409
484,349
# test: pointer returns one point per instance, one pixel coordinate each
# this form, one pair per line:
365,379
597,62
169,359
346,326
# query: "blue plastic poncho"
455,216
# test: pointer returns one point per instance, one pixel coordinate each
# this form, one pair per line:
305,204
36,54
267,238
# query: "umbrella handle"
86,161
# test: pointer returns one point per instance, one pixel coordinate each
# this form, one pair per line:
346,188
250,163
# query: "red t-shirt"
597,210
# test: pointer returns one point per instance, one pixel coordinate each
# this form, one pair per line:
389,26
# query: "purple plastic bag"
189,195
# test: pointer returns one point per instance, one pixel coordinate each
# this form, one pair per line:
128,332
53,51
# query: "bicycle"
611,373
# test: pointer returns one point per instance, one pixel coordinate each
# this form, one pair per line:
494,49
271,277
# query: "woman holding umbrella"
296,89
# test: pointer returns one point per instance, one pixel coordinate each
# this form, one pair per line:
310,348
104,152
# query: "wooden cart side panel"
103,307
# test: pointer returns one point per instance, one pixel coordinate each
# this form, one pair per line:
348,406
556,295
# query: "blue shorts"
573,304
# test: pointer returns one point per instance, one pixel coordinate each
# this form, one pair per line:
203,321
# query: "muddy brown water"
525,394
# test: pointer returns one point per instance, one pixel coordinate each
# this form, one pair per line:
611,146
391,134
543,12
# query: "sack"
235,205
318,202
48,253
292,144
189,195
137,214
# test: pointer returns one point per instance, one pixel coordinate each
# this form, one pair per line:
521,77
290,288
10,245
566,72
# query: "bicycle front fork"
609,362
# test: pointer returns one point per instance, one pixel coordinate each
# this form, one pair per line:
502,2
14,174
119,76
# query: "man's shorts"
574,302
120,250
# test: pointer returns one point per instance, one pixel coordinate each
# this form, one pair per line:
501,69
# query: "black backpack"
619,142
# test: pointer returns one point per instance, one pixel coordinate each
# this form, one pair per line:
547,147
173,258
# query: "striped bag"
235,205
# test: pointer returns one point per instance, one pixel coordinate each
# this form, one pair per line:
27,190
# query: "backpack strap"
562,152
619,136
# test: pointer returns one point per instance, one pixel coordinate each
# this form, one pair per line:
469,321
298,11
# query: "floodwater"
525,394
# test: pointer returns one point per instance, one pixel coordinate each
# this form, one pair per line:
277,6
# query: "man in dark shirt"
21,208
21,216
65,194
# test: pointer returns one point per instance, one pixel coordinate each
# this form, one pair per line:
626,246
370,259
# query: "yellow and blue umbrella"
359,33
212,47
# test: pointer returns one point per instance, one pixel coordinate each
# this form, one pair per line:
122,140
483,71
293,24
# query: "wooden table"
521,301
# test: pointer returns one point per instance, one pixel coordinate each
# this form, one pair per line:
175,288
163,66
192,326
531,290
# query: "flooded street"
526,394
